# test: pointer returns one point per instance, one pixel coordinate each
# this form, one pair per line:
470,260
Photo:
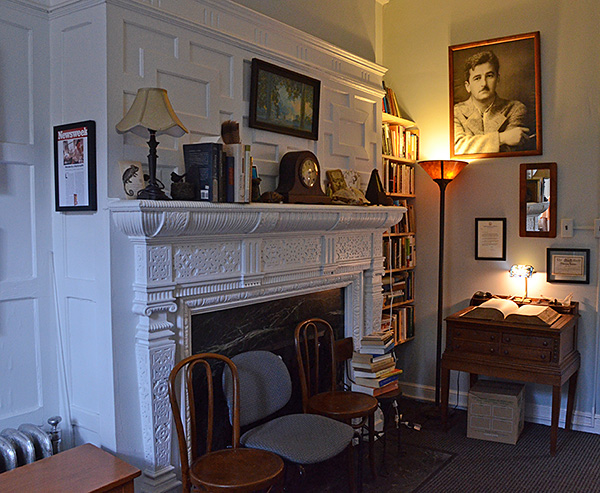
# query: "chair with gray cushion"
234,469
302,439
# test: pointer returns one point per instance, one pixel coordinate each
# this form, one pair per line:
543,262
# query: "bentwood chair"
234,469
318,365
300,439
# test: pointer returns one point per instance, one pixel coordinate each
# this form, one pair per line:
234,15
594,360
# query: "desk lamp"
441,172
525,271
151,114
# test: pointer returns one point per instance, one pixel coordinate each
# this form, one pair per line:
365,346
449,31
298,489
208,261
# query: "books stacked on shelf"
219,172
398,287
399,178
389,102
401,321
375,372
399,252
399,142
407,223
405,323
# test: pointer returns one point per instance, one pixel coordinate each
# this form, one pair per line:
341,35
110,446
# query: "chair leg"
371,425
351,479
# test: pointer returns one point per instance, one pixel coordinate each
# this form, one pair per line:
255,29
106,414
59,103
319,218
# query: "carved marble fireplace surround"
195,257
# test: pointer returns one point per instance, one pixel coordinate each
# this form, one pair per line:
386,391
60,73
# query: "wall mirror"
537,200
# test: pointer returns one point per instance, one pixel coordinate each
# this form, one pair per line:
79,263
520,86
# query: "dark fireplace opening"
266,326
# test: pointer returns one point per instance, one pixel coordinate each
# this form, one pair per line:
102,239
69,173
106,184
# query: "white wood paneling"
28,357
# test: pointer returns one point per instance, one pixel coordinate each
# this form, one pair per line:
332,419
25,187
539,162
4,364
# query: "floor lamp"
442,172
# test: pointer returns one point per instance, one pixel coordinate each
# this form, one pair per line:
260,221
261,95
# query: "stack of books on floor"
374,365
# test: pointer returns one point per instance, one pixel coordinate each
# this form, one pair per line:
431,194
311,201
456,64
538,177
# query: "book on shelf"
390,102
358,358
374,367
377,348
377,382
381,374
405,327
379,338
376,391
203,165
499,309
237,152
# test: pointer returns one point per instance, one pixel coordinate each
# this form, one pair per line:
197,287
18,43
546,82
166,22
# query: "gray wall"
418,71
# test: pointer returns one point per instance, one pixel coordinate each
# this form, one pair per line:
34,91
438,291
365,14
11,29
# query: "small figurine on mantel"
180,189
340,192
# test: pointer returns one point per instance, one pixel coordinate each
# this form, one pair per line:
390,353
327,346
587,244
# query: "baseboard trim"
582,421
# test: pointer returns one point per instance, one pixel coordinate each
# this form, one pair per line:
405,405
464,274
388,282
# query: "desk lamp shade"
443,170
524,271
151,114
151,110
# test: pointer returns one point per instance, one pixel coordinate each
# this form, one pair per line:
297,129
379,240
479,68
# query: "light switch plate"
566,228
597,228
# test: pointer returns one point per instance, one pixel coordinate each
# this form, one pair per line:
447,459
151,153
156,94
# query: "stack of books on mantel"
374,365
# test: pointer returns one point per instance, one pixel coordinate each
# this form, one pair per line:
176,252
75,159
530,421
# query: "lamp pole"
442,183
153,191
442,172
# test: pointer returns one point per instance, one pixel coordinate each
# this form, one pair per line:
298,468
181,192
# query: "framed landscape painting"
284,101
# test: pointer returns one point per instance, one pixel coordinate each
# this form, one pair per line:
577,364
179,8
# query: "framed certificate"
75,166
568,265
490,238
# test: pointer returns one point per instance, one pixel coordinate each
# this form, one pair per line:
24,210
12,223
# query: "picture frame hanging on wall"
496,97
75,166
284,101
570,265
490,238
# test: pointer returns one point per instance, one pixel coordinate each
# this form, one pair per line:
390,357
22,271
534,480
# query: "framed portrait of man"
495,97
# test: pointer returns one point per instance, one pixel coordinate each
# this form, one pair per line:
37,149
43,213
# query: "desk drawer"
529,341
526,353
467,346
473,335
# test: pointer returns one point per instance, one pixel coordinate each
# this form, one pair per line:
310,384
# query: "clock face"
309,172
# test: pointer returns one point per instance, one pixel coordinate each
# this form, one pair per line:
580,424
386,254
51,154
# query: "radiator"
28,443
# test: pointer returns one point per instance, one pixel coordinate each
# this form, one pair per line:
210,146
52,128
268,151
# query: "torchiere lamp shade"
151,110
443,170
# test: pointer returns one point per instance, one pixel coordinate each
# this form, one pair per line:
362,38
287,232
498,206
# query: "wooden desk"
529,353
81,469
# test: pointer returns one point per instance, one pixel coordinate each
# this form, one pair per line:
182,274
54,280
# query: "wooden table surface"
81,469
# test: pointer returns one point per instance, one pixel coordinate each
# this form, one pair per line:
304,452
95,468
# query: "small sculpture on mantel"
272,198
180,189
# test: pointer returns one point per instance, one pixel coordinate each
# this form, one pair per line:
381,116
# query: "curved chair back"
314,342
195,366
265,385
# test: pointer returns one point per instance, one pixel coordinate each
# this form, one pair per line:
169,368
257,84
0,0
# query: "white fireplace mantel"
193,257
153,219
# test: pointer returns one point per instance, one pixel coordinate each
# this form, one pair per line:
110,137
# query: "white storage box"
496,411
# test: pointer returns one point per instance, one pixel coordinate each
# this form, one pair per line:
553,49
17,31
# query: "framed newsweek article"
75,166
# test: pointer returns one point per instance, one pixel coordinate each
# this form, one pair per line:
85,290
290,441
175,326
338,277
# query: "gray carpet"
433,461
480,466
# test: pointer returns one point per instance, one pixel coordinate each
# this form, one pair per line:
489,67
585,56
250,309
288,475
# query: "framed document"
568,265
75,166
490,238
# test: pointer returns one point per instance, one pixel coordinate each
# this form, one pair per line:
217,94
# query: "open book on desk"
507,310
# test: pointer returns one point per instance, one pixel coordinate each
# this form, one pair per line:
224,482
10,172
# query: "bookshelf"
400,151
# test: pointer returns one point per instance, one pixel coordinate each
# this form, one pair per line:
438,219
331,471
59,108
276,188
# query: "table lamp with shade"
442,172
524,271
151,114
